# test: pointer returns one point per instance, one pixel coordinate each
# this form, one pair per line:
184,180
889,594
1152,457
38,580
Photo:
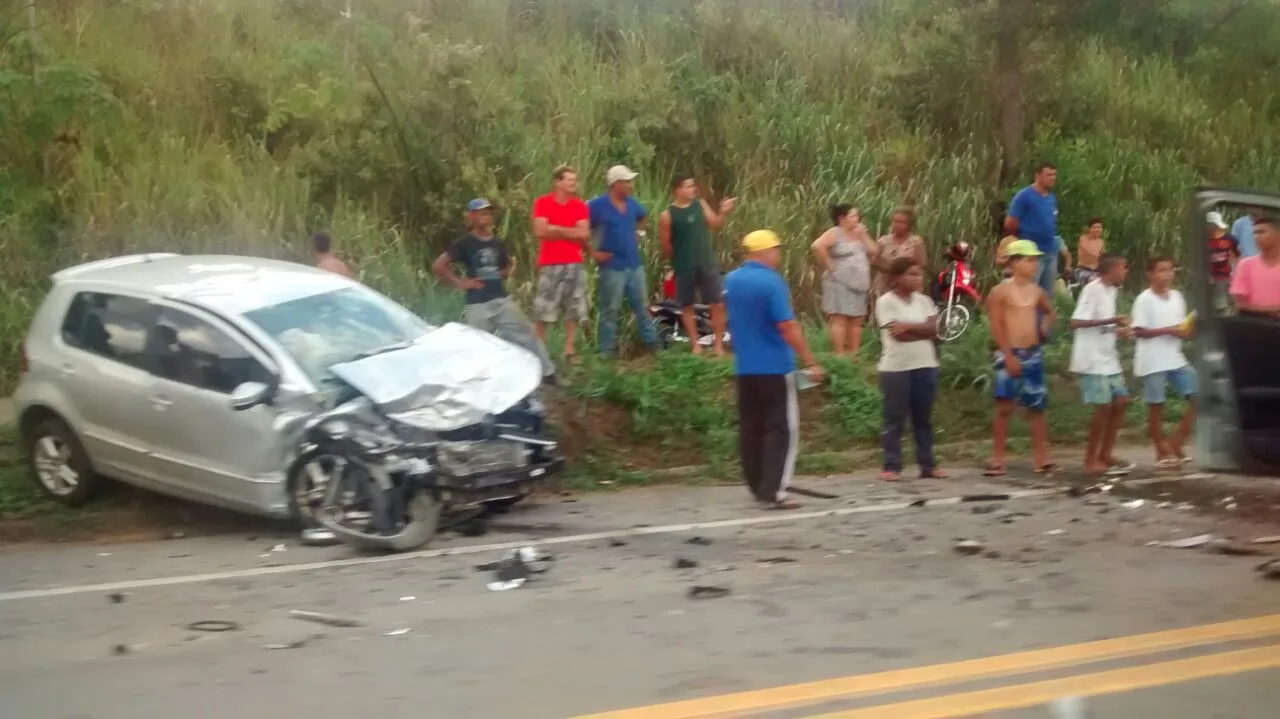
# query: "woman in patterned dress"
900,242
844,253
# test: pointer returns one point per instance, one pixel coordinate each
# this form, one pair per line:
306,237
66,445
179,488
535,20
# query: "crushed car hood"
453,377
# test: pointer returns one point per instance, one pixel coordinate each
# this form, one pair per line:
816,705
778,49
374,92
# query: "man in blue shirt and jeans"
1033,215
766,341
615,220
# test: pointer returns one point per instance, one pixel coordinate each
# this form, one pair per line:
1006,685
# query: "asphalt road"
870,608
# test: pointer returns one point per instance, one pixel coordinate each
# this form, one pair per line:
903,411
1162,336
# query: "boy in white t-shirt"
1095,358
1160,323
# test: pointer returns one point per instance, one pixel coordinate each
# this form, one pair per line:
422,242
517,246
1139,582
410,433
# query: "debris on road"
918,503
1235,549
212,625
319,537
396,632
984,509
407,599
1270,570
1199,540
472,528
682,563
699,541
1266,540
805,492
777,560
1055,533
516,568
985,498
296,644
969,547
176,535
117,597
708,592
615,542
1135,504
326,619
120,650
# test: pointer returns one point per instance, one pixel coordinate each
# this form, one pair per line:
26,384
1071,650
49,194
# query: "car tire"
58,464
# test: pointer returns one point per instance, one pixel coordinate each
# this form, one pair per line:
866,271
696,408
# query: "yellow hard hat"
761,240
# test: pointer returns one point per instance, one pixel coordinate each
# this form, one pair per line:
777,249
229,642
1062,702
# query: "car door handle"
160,402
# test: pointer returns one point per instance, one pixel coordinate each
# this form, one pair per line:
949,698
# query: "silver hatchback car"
131,364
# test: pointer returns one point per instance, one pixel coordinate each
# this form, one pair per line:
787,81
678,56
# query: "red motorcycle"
955,290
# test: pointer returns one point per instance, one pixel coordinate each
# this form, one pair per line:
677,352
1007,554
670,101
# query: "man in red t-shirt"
560,223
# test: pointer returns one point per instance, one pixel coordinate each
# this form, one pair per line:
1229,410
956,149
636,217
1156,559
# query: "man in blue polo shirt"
615,220
766,341
1033,215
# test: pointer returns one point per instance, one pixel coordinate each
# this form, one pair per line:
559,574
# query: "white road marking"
767,518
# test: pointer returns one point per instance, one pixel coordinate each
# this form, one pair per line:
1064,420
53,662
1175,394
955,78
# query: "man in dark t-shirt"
488,264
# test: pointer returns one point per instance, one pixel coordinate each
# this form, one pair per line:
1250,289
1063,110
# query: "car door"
205,446
1237,355
103,372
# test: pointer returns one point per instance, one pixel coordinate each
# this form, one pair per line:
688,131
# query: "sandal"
888,476
1168,463
782,505
935,473
995,470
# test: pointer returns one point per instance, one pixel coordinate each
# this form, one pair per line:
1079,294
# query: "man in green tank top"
684,229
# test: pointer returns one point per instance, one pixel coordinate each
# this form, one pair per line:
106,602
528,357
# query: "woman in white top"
908,367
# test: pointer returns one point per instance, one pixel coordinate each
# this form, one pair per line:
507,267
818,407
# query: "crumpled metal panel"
452,377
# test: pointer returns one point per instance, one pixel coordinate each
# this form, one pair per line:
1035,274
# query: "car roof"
230,284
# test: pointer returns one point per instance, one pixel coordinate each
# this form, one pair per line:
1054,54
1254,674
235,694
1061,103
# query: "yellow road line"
1036,693
968,670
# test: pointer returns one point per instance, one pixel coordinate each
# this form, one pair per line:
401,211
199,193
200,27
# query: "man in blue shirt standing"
615,220
1242,230
1033,215
766,341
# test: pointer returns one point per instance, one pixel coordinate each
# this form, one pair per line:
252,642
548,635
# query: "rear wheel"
59,464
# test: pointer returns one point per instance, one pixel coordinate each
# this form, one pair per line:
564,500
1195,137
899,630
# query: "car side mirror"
249,395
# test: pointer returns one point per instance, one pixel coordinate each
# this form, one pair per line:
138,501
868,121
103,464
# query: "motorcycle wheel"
308,480
953,321
666,335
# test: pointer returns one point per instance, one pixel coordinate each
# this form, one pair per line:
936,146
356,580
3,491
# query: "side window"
112,326
189,350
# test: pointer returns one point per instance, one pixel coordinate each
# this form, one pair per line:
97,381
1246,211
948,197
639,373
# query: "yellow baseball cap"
1022,248
761,240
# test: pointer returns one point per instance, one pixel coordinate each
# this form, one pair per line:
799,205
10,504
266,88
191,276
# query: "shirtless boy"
322,248
1019,360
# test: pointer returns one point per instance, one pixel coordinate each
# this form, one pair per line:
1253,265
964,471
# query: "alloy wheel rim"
52,459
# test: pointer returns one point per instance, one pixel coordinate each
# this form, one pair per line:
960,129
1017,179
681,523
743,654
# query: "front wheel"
953,321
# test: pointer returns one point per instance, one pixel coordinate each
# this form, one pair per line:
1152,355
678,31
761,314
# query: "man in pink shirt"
1256,285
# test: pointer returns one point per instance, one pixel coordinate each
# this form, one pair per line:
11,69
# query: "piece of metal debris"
1055,533
1135,504
295,644
969,547
120,650
805,492
699,541
984,498
1199,540
117,597
615,542
212,625
326,619
396,632
777,560
318,537
516,568
683,563
708,592
918,503
1235,549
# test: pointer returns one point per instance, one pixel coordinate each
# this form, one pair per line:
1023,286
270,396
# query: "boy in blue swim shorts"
1021,317
1160,323
1096,360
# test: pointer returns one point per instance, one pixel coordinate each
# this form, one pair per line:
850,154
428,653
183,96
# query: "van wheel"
59,464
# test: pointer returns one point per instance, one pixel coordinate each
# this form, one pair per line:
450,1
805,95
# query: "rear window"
112,326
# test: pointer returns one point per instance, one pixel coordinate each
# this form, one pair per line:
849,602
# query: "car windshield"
335,327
